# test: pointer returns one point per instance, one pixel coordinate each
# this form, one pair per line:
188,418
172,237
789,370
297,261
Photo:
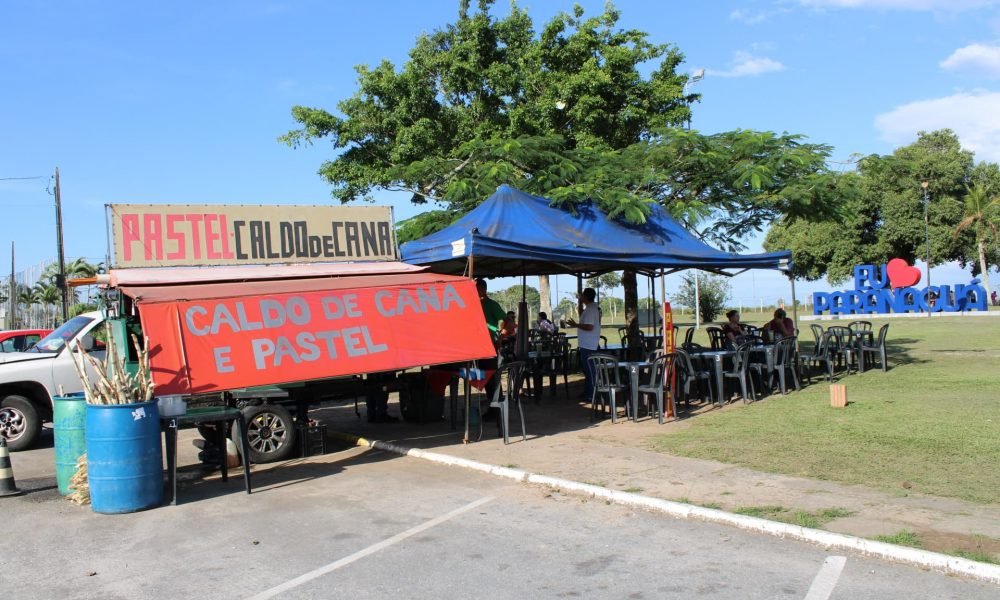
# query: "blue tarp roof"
514,233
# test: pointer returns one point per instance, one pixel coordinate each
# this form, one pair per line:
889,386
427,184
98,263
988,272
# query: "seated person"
780,326
732,327
509,328
545,325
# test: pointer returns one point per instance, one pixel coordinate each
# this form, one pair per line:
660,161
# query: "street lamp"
696,76
927,238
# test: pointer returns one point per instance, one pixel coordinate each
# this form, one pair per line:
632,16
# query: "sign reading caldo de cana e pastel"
891,289
170,235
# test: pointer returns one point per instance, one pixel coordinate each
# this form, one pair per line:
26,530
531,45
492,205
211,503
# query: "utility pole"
12,320
927,237
61,278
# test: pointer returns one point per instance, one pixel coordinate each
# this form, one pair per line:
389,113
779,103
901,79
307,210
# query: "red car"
19,340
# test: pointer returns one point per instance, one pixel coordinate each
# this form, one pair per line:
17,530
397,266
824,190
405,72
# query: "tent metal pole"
795,306
651,290
467,393
521,338
663,299
697,302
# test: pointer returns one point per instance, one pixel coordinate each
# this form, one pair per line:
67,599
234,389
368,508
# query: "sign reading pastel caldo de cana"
172,235
891,289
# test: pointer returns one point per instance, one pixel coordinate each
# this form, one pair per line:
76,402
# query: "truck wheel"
271,432
19,422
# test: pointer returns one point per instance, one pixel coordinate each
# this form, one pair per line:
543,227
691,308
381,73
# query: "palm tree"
48,296
75,269
24,297
982,214
81,268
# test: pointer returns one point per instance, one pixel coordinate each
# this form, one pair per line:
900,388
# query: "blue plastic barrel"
69,418
124,458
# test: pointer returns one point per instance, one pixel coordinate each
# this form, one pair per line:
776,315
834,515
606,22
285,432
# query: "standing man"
492,311
494,315
589,339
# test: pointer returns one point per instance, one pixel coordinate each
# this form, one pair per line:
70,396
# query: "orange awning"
219,336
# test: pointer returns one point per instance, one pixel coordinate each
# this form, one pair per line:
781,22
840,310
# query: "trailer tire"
271,432
20,424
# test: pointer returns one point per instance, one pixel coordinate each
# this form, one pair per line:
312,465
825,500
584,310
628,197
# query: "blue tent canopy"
514,233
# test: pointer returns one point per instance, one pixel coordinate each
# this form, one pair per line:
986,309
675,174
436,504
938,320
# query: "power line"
21,178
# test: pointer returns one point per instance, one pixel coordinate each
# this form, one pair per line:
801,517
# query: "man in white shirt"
589,338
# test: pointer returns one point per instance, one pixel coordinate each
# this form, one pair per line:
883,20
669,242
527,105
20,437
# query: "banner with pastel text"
174,235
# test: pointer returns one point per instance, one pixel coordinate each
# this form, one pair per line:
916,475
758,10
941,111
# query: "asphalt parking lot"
362,523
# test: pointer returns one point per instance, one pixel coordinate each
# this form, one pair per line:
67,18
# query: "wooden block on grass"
838,395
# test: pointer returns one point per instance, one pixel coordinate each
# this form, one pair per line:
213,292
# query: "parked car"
30,379
19,340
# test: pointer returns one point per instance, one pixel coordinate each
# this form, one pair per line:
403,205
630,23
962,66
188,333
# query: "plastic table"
717,357
215,414
633,372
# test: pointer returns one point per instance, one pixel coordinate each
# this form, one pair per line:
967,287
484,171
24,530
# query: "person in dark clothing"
377,398
495,316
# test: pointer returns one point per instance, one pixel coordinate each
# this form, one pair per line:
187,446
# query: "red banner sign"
668,328
668,345
230,343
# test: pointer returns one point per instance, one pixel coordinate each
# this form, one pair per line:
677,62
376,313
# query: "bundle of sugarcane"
78,483
112,384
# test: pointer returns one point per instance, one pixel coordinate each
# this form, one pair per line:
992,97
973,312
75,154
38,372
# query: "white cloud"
747,16
974,117
747,65
935,5
975,57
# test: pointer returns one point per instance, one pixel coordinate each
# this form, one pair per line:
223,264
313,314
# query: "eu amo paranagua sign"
175,235
891,288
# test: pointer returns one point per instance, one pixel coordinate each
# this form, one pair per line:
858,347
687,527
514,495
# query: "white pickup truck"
30,379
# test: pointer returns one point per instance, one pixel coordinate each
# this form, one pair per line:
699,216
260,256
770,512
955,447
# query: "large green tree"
581,109
471,90
884,212
510,298
713,293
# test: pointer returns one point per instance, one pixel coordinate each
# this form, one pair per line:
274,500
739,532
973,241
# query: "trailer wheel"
271,432
20,425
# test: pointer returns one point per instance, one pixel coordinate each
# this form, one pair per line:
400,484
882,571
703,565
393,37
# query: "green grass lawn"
929,425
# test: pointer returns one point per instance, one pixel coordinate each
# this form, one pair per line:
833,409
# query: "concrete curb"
912,556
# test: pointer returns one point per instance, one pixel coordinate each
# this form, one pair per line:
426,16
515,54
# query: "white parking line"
822,586
293,583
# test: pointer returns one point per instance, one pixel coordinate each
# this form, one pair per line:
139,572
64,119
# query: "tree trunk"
546,294
634,349
984,270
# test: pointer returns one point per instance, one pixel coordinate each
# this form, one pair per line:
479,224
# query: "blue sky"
183,102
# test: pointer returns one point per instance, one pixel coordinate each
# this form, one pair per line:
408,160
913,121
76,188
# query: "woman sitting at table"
545,325
509,329
780,326
508,335
732,328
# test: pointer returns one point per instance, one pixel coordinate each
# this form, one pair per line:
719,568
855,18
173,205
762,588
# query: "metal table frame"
218,415
718,356
633,373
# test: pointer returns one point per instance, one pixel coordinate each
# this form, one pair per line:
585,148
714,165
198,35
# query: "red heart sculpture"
901,274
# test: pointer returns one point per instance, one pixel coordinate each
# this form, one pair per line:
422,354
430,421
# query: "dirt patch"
951,543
